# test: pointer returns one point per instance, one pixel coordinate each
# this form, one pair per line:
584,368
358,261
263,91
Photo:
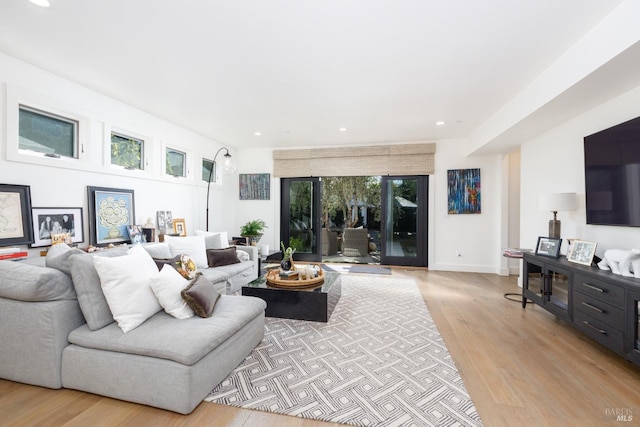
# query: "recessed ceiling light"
342,129
257,133
440,123
41,3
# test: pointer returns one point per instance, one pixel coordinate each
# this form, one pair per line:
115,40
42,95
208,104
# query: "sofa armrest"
253,256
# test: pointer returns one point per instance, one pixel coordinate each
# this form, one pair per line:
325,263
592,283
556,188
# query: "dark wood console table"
602,305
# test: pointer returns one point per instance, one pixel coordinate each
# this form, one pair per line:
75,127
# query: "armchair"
329,242
355,242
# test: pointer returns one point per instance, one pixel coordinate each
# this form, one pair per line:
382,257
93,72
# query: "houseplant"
287,261
253,230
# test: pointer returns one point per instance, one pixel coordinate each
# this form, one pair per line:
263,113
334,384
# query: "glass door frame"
316,223
422,222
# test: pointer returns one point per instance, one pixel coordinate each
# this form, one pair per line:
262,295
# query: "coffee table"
315,304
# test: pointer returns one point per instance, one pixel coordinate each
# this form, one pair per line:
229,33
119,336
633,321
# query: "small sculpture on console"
622,262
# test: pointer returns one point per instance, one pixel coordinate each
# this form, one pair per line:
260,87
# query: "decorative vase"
285,264
254,239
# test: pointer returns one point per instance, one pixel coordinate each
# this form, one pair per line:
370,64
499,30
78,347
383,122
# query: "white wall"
53,186
478,237
258,161
554,162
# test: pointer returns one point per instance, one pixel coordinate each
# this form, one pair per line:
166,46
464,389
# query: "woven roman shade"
405,159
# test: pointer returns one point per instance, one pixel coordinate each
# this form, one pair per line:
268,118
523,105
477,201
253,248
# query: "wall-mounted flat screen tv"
612,175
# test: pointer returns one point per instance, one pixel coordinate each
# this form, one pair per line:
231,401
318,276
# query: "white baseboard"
468,268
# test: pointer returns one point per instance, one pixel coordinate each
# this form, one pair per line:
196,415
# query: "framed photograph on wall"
111,212
50,221
15,215
582,252
548,246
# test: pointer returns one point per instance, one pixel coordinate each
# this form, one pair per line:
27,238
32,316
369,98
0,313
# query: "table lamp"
555,202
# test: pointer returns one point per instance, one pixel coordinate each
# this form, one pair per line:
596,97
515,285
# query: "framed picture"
165,222
582,252
15,215
60,238
548,246
50,221
179,226
136,235
255,186
111,212
463,191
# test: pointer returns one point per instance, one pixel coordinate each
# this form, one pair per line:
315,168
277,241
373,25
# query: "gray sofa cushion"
87,284
33,335
58,257
215,275
184,341
26,282
238,268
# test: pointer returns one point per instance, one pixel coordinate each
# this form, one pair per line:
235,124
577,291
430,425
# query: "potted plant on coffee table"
253,230
287,257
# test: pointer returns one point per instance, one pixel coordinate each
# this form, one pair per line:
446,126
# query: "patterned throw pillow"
183,264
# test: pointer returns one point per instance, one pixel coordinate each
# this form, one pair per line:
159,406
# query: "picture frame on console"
50,221
111,212
15,207
179,226
582,252
548,246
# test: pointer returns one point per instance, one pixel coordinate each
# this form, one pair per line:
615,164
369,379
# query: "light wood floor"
521,368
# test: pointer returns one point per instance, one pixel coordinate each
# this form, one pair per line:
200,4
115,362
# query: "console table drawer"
605,291
599,331
599,309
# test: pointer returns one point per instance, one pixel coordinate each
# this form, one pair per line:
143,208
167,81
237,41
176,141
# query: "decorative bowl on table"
295,279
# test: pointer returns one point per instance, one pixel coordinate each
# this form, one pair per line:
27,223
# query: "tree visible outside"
175,162
342,196
126,152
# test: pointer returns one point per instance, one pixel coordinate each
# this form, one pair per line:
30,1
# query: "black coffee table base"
302,304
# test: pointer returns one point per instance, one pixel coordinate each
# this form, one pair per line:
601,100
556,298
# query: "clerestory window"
47,133
176,163
127,152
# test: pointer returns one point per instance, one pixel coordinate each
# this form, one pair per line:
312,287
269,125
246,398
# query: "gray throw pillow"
60,259
201,296
220,257
87,284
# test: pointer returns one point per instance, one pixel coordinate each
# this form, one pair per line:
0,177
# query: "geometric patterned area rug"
379,361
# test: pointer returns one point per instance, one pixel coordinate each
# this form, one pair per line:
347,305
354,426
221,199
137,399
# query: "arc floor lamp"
228,168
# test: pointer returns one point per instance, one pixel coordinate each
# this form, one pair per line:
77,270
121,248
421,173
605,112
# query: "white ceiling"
297,71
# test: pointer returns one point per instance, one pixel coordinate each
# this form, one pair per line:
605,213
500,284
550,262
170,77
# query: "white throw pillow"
242,255
214,240
190,245
125,281
167,285
158,250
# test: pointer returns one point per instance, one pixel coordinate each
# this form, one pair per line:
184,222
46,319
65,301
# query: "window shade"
405,159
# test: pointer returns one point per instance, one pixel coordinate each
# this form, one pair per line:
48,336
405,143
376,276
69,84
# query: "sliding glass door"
300,220
404,220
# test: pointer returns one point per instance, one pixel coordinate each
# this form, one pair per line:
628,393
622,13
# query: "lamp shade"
554,202
228,165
